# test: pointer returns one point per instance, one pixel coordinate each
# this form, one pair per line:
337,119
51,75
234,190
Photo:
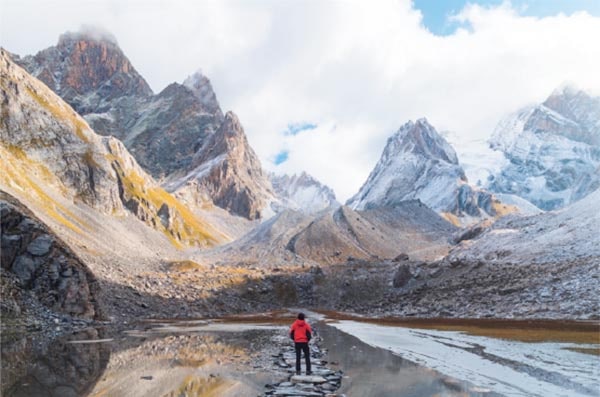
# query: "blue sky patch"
281,157
436,13
296,128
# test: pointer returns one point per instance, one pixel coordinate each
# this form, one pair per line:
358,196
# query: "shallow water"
226,358
371,371
506,366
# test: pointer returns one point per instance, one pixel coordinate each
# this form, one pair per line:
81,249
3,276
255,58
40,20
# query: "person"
301,333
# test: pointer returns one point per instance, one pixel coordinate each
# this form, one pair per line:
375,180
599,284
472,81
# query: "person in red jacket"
301,333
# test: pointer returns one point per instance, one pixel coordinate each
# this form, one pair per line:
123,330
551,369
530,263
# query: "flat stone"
40,246
308,379
296,392
323,372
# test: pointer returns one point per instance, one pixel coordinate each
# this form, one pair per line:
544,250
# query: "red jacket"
300,331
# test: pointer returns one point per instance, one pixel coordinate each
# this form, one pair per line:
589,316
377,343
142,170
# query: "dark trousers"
302,346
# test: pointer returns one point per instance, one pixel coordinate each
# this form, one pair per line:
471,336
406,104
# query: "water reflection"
37,367
379,373
153,360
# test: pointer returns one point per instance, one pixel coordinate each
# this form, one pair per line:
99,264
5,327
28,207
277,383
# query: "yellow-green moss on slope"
18,171
184,227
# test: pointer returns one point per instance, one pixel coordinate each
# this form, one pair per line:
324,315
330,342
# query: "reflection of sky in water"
508,367
376,372
173,353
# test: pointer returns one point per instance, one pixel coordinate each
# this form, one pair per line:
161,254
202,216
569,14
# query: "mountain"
418,164
302,193
340,235
169,133
553,150
227,171
90,72
560,236
56,165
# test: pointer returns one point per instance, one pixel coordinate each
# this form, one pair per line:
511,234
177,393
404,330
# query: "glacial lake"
233,357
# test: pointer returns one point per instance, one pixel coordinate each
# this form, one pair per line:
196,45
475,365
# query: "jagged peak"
89,33
232,125
202,88
420,138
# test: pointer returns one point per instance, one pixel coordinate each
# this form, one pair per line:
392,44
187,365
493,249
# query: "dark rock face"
43,264
90,74
170,129
402,276
227,170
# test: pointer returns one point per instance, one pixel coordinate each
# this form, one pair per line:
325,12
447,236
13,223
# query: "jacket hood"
300,323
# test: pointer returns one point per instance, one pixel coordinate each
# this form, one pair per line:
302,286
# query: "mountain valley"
121,205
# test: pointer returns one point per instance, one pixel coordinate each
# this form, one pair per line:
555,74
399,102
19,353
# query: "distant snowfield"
508,367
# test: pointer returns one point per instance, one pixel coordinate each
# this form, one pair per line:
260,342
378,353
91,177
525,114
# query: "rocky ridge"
49,154
293,238
553,150
226,171
173,134
418,163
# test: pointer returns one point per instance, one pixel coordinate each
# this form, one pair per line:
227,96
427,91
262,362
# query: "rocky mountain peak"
200,85
552,150
226,171
419,164
302,193
579,107
420,138
83,63
53,161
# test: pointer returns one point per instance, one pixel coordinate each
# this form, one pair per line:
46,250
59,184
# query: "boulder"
402,276
401,257
40,246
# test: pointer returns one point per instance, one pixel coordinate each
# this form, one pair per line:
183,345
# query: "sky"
320,85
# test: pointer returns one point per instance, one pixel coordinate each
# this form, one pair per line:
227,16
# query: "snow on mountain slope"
571,233
302,193
553,150
418,163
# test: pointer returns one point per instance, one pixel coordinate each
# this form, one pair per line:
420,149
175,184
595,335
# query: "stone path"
322,383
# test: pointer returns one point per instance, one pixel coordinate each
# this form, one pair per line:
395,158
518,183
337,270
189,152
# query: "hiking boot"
298,373
308,372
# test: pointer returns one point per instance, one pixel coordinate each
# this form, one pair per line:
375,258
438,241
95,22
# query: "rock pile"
34,260
321,382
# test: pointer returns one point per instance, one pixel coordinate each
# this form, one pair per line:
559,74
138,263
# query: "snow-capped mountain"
553,150
418,163
568,234
302,193
172,134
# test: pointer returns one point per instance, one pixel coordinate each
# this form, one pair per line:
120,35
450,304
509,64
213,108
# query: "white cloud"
356,69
